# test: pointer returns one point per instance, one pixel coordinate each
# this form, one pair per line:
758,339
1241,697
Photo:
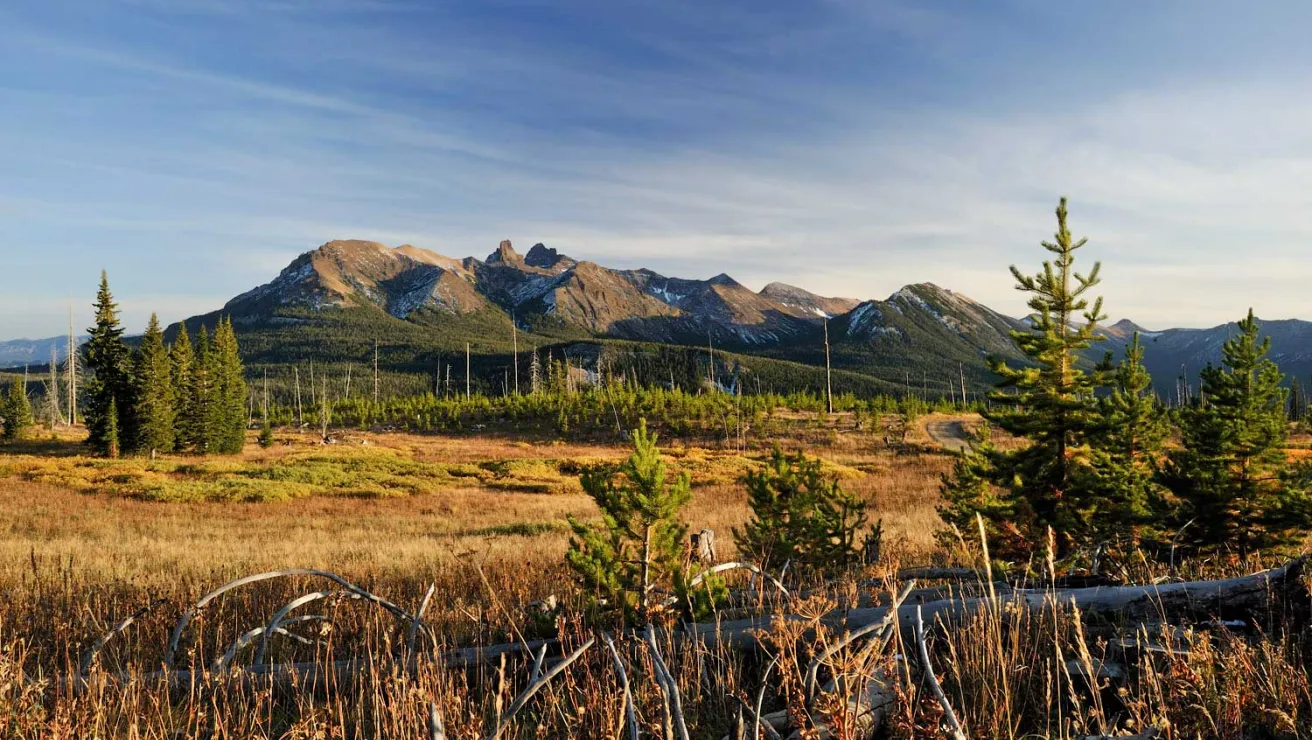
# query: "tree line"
1094,468
154,397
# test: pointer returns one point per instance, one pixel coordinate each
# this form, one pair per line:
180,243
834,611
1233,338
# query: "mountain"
1173,353
34,352
805,303
332,304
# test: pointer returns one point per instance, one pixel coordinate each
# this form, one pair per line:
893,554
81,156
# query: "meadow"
480,518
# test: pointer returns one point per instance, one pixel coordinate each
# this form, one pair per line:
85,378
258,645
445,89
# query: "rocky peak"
505,254
545,257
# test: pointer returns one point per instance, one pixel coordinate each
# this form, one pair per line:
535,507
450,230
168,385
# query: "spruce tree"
108,360
1049,402
1229,475
228,410
182,361
154,392
800,515
17,411
634,553
1297,401
1127,445
203,372
111,427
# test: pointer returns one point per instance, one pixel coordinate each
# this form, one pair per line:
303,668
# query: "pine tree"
969,489
1229,475
111,429
800,515
17,411
635,550
203,372
266,433
1050,403
224,404
154,392
182,362
107,357
1297,401
1127,445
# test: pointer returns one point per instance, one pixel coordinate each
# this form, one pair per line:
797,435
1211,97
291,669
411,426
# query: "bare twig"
533,688
418,621
99,644
629,713
949,715
666,680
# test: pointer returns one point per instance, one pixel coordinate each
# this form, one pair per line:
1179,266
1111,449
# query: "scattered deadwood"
949,716
1252,600
199,606
99,644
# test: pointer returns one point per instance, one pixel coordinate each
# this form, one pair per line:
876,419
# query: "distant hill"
19,352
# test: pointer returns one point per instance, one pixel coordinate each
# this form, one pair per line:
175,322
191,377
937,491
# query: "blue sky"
194,147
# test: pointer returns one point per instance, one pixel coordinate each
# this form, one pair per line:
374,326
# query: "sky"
192,148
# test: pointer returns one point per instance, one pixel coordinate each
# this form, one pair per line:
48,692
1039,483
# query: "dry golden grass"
74,558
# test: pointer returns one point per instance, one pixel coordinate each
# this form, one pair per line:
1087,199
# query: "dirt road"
950,434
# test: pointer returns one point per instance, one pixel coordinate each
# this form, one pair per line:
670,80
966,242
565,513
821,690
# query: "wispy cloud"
193,148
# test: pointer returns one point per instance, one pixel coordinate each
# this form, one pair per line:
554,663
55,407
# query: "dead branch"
533,688
278,617
418,621
667,684
99,644
630,715
949,715
435,729
196,609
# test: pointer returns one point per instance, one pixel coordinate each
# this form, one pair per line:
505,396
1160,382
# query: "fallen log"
1255,598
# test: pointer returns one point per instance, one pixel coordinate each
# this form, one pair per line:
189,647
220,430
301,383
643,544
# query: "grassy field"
84,543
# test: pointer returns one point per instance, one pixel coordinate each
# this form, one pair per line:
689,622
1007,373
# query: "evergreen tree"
801,515
111,428
154,392
108,359
17,412
1049,402
266,433
1229,475
1127,445
634,553
182,362
969,489
1297,401
203,372
228,409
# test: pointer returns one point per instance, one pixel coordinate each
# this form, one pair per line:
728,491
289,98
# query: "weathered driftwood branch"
949,716
195,610
418,621
100,642
278,617
533,688
629,713
666,681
